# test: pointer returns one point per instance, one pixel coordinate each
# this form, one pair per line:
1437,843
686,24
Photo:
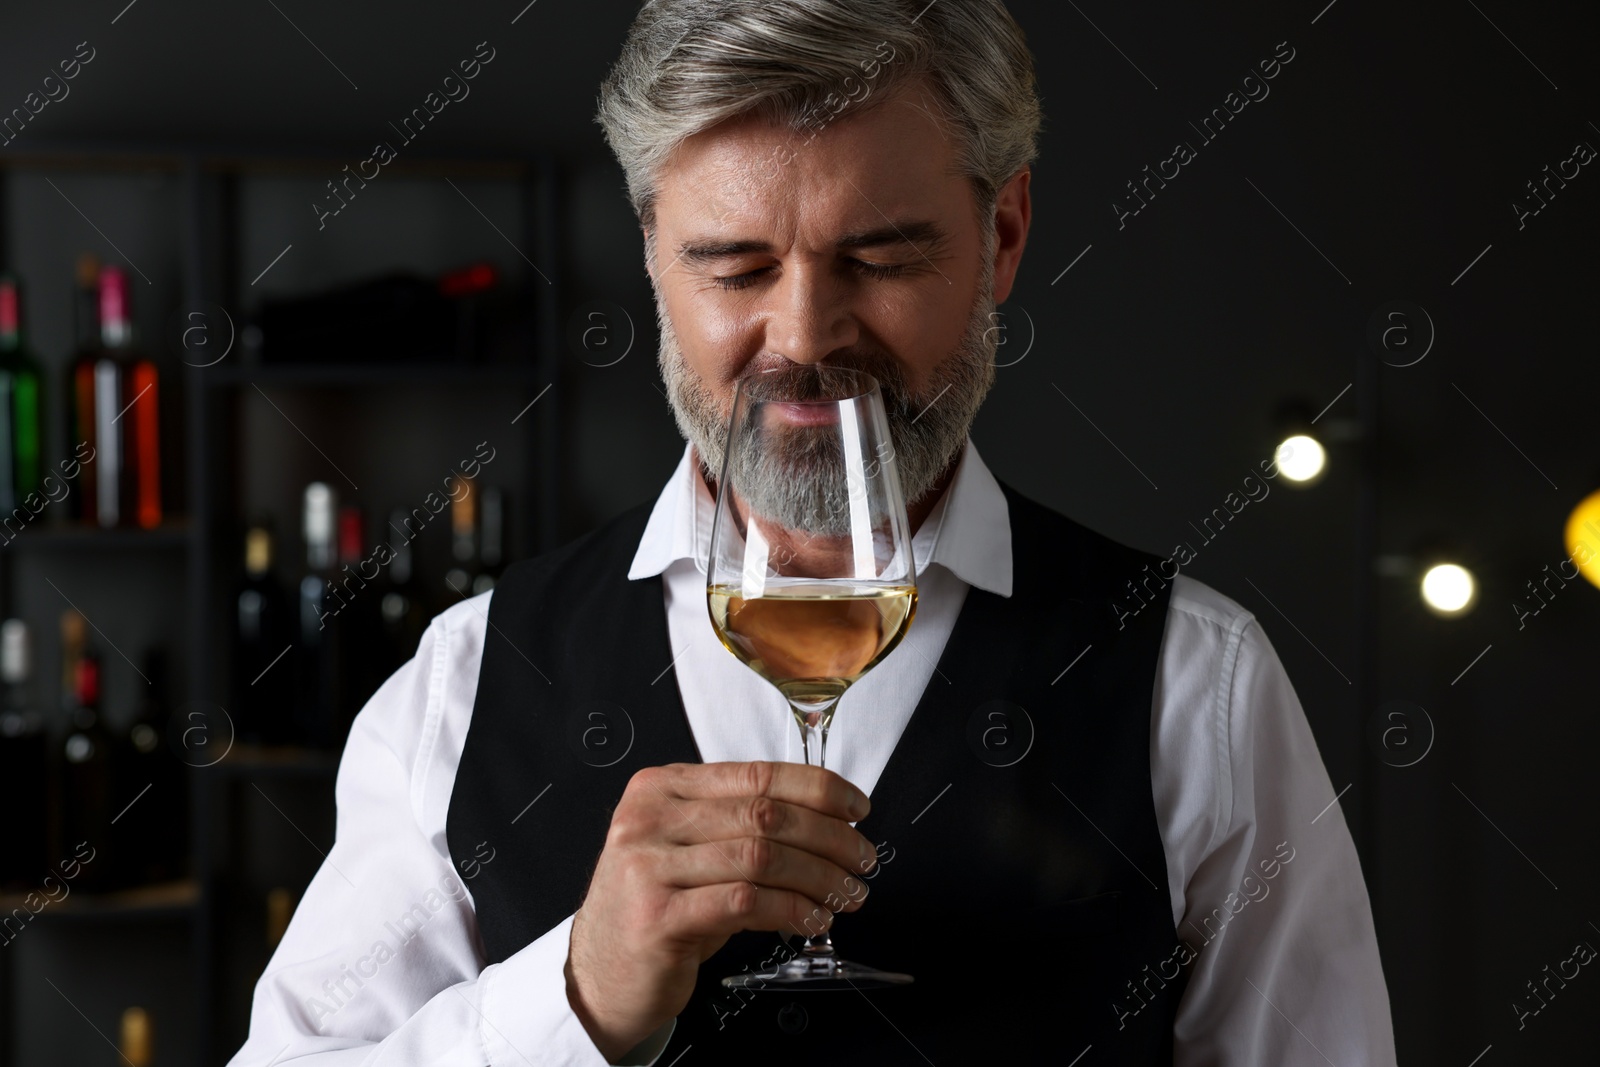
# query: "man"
573,812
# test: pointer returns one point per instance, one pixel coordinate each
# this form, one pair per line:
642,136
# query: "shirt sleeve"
381,963
1285,964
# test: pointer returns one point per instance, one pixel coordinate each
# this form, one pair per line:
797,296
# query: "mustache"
796,382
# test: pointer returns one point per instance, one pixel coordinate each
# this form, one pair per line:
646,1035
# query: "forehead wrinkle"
736,195
730,227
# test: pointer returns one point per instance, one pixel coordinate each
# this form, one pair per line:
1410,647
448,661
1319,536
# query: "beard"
797,478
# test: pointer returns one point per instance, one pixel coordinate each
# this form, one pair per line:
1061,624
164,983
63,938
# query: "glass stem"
814,737
814,722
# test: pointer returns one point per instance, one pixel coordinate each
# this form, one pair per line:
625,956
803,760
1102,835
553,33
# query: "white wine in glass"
810,580
812,640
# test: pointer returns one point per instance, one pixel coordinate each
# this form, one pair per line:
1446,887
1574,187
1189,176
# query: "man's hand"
696,853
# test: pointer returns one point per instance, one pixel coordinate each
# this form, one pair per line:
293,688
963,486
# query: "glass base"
805,974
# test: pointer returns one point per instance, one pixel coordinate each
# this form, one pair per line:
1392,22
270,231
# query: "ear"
1013,212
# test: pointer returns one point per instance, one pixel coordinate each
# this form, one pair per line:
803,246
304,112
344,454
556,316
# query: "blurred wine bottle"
136,1041
107,378
74,634
127,403
403,615
463,543
19,405
24,763
152,788
86,787
491,537
316,651
360,618
79,393
263,685
280,909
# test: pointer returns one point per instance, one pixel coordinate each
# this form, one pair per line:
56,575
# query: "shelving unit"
357,375
161,900
210,196
272,760
177,534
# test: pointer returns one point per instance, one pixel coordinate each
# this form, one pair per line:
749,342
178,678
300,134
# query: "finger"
767,864
794,783
692,822
726,908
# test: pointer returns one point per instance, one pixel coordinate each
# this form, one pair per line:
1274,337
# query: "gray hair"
689,64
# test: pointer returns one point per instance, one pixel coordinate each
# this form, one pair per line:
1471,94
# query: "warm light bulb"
1301,458
1449,589
1583,537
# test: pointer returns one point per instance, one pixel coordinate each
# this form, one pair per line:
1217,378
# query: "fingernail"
859,808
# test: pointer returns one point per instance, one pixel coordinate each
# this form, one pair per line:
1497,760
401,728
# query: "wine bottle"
280,909
263,684
360,619
87,784
152,788
79,392
19,404
463,543
24,760
99,382
491,537
74,633
127,406
403,617
136,1042
316,652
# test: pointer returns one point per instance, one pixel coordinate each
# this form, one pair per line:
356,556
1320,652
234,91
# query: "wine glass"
810,580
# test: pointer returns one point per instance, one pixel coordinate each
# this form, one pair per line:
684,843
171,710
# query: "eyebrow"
911,232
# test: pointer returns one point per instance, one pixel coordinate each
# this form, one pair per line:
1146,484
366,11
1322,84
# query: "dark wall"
1383,164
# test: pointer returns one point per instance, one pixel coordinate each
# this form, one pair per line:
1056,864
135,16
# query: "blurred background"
280,342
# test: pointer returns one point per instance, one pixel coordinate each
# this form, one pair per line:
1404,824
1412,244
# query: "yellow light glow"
1301,458
1449,589
1583,537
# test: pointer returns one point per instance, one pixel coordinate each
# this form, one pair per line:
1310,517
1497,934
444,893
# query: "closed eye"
879,271
740,281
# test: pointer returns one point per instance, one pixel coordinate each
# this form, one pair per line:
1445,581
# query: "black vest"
1022,880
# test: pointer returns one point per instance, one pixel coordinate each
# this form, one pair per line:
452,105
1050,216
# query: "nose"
810,314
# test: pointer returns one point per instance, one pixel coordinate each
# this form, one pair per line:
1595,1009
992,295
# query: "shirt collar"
968,532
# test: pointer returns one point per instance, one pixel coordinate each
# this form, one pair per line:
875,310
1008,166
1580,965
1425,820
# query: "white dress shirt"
382,964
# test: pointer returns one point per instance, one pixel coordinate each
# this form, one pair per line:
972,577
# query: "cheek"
726,340
921,334
716,342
